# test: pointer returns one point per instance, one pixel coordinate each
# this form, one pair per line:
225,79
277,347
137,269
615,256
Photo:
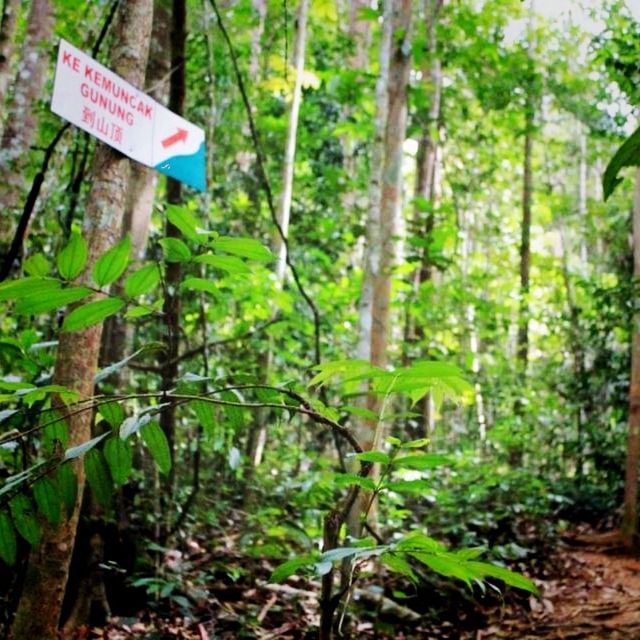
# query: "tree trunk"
7,42
284,205
173,276
21,124
629,528
372,252
386,184
77,358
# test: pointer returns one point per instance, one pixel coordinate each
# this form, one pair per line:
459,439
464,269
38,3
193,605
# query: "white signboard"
92,97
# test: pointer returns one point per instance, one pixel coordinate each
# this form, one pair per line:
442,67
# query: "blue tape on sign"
189,169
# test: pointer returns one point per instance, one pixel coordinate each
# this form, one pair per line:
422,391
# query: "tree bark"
284,204
7,42
77,358
629,527
173,276
21,124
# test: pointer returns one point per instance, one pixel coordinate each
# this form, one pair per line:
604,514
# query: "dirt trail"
596,596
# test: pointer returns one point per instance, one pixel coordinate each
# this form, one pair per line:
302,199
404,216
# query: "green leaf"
243,247
27,287
200,284
112,263
230,264
485,569
235,415
142,280
447,565
67,486
73,258
55,436
423,461
175,250
155,439
43,302
91,313
48,500
8,541
399,564
288,568
24,518
408,486
416,444
628,155
98,477
341,553
37,265
113,413
345,479
206,417
186,221
373,456
120,459
81,449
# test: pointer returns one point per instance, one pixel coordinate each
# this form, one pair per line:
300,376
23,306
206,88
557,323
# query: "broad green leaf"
205,415
186,221
342,369
138,312
31,287
67,486
98,477
628,155
155,439
361,412
43,302
48,500
230,264
288,568
55,436
423,461
243,247
142,281
81,449
373,456
447,565
399,564
408,486
417,541
112,263
8,541
235,415
200,284
175,250
113,413
345,479
120,459
24,518
37,265
485,569
91,313
416,444
73,258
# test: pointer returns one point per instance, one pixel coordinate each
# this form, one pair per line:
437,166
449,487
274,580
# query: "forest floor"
589,590
594,594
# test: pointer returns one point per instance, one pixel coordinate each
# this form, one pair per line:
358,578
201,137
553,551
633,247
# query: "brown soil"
595,596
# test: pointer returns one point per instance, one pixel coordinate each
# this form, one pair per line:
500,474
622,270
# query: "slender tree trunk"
7,42
284,204
629,527
382,238
21,123
372,252
77,358
173,276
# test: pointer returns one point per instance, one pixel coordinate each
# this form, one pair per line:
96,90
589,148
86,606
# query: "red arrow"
179,136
